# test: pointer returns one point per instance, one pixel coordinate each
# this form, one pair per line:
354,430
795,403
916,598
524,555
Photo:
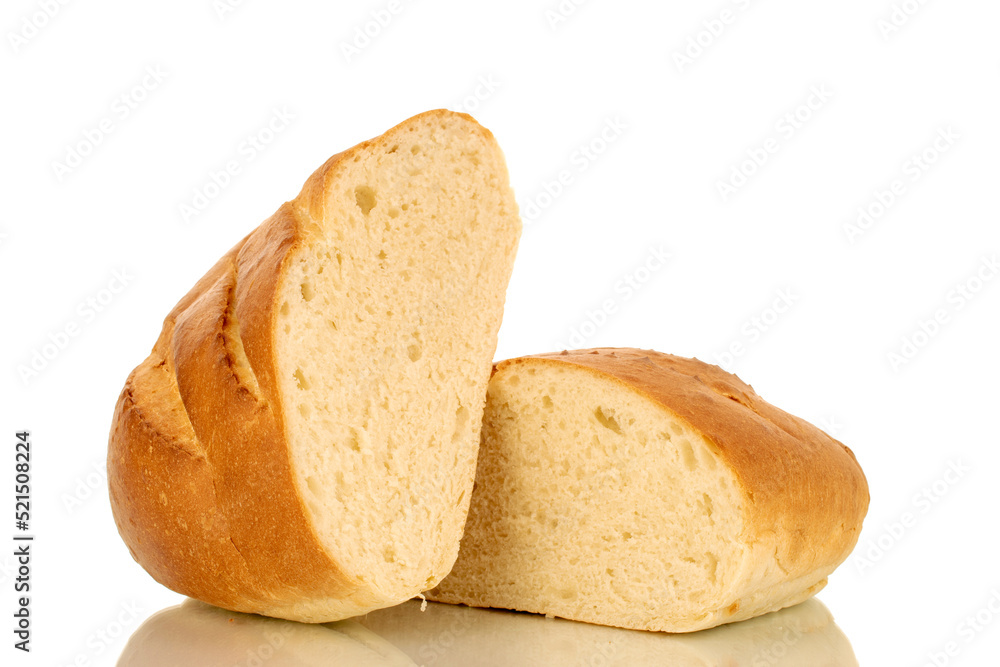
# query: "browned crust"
199,471
201,486
806,495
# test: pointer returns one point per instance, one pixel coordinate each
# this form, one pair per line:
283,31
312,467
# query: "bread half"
301,442
641,490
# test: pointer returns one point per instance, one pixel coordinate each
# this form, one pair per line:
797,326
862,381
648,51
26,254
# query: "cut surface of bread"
641,490
301,442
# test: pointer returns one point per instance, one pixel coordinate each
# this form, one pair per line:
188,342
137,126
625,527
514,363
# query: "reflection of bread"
302,440
646,491
199,635
451,636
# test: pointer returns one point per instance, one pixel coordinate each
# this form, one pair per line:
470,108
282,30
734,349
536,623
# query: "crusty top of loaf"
805,491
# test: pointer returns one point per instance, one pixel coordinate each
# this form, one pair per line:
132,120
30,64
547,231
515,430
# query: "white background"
683,127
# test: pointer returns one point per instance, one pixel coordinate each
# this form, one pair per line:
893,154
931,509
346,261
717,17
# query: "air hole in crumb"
300,379
458,171
393,149
365,198
354,442
305,410
514,380
415,148
405,207
707,506
461,423
712,565
547,402
687,454
733,608
284,309
382,254
393,212
307,291
607,420
414,351
314,486
676,429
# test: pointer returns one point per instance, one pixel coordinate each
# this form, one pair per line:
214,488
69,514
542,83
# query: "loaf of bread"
641,490
301,442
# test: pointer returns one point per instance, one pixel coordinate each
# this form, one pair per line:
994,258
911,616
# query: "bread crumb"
423,602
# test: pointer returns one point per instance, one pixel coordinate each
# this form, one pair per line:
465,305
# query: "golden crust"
198,467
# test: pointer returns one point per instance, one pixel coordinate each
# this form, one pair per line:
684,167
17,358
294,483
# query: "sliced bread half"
301,442
641,490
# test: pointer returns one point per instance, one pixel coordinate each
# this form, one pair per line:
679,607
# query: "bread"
301,442
641,490
450,636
